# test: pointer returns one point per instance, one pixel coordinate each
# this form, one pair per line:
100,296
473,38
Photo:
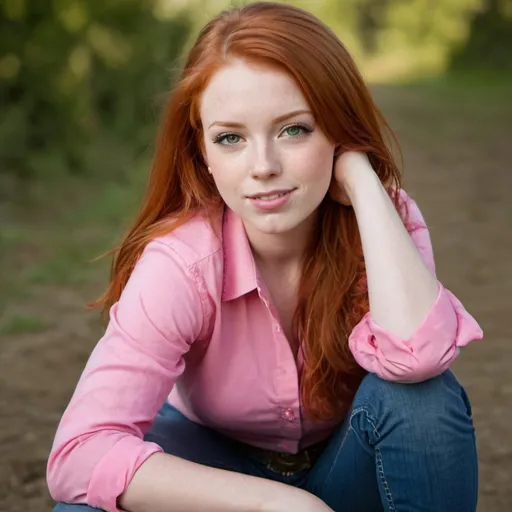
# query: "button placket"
262,297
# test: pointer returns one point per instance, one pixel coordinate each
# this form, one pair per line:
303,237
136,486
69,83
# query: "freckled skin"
261,155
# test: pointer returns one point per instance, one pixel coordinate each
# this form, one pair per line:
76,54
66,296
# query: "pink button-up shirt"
196,326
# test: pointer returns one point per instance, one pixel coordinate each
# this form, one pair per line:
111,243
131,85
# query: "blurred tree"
371,18
395,38
77,80
489,45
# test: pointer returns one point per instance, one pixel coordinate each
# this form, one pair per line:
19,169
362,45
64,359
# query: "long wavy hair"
332,295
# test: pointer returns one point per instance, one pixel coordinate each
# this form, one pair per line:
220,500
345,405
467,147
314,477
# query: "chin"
278,225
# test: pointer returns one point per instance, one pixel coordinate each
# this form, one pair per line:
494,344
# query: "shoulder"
194,241
180,273
191,255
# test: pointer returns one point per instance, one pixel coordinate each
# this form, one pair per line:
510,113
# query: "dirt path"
458,154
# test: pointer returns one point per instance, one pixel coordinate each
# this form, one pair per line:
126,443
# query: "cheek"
222,179
317,166
221,169
227,182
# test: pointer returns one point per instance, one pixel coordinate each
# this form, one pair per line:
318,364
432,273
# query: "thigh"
345,476
402,447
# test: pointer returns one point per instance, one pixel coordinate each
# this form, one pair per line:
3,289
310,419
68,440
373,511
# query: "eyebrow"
277,120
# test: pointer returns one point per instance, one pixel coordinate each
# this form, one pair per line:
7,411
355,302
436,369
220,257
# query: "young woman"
277,294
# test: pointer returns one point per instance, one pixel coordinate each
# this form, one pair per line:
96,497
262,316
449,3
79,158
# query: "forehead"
241,89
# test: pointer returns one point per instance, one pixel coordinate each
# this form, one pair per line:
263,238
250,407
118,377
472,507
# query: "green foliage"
393,39
81,81
77,80
489,46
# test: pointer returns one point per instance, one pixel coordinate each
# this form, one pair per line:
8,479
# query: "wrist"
359,181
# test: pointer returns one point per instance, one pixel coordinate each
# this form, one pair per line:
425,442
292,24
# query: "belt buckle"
288,464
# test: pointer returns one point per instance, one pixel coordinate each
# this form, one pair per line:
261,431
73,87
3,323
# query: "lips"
271,201
270,196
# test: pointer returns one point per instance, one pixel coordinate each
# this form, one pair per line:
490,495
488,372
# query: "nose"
265,161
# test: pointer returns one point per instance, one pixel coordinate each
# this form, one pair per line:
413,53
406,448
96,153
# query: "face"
270,161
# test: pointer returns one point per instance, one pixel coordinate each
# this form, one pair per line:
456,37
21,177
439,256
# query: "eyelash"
222,136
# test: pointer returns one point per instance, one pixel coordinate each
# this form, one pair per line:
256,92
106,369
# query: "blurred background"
81,88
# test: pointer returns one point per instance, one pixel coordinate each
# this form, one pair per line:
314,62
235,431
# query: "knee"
435,405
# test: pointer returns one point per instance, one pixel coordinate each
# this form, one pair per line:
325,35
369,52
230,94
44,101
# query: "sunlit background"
81,87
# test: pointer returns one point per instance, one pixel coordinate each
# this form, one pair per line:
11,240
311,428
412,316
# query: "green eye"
293,131
232,139
227,139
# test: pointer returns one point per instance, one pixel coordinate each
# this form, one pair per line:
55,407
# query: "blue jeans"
401,448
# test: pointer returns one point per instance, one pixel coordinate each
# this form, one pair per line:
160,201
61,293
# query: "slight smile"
272,200
271,195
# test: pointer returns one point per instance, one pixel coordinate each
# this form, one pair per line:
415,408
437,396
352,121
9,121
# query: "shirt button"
278,329
289,415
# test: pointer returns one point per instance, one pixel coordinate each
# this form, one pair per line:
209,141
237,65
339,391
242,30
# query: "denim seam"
382,476
340,447
354,413
380,463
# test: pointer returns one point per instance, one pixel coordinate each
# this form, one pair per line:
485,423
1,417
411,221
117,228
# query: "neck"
284,249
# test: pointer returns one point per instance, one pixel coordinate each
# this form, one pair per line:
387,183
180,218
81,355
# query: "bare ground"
458,154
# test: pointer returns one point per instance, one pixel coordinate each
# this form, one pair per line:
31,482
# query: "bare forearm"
401,287
165,483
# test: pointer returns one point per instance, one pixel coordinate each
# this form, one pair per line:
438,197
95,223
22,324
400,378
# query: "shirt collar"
240,276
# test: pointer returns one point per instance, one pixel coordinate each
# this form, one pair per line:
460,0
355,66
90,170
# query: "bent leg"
418,441
344,476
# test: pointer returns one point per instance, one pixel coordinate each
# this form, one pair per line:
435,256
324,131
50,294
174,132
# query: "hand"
347,166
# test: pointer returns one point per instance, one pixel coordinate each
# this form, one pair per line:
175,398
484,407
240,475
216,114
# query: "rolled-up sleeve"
99,443
435,344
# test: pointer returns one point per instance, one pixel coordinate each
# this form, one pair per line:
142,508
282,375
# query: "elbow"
56,486
95,468
429,352
53,483
423,365
414,360
61,480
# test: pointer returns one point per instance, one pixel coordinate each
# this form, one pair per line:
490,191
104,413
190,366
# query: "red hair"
332,294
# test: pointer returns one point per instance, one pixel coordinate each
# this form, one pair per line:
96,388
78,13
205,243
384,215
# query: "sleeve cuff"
428,352
115,471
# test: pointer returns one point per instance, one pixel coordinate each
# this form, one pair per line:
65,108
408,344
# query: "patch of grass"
466,110
12,290
56,272
475,91
22,324
88,219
